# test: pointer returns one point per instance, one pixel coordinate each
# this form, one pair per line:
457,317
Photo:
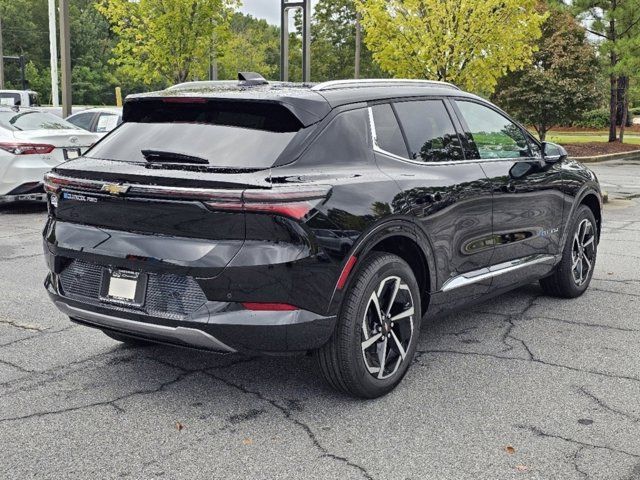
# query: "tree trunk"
625,107
358,46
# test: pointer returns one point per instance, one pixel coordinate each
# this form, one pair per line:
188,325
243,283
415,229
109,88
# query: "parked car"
194,223
97,120
20,98
31,144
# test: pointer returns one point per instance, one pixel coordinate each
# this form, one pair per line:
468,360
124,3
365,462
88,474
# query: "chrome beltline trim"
495,270
189,336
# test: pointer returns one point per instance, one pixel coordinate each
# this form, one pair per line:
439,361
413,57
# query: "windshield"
32,120
229,135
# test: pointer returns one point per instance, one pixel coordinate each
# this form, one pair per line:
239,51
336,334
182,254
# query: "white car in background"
98,120
32,143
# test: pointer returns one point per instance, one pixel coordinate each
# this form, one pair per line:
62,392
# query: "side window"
82,120
388,133
494,135
430,133
106,122
344,141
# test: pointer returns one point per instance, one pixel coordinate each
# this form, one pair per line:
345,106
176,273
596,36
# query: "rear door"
527,195
416,142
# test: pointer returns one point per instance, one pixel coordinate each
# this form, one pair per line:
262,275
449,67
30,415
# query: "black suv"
332,219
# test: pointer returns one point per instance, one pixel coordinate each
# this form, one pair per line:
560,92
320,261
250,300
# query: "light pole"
65,58
53,53
305,6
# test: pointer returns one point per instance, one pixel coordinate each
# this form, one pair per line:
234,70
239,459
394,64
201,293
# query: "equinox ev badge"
115,188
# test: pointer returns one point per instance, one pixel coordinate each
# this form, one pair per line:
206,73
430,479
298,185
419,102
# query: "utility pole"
53,53
1,58
65,58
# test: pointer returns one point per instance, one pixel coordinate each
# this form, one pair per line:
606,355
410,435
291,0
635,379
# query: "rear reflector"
19,148
342,280
274,307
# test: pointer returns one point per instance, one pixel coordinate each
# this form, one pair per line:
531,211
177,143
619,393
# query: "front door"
527,196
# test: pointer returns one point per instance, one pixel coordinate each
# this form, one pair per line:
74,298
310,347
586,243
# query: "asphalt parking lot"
524,386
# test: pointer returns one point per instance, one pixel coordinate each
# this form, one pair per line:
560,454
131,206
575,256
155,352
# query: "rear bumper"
218,326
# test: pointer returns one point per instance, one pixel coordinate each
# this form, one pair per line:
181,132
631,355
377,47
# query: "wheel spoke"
382,357
376,303
586,259
394,294
401,349
587,227
588,242
407,313
371,340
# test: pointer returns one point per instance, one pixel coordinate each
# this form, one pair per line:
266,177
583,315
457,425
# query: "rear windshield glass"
225,134
31,120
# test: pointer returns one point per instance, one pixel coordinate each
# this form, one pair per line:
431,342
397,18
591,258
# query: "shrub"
635,111
593,119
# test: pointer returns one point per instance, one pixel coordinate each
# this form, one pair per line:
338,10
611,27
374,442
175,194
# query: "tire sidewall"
583,213
395,267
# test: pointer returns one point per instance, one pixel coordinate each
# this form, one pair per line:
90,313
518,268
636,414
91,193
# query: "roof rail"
381,82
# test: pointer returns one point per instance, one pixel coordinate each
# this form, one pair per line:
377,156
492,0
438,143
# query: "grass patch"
557,137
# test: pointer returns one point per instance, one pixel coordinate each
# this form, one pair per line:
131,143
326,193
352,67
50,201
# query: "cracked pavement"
523,386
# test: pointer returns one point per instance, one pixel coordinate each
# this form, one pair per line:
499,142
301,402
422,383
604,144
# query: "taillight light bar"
290,201
21,148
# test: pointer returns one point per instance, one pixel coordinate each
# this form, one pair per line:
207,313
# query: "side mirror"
553,153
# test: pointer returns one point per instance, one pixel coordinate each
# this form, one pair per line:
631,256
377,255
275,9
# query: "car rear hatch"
172,186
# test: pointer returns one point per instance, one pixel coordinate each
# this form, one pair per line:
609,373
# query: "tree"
471,43
562,81
334,47
251,45
165,41
617,24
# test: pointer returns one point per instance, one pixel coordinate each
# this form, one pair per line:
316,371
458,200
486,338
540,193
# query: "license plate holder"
71,153
123,287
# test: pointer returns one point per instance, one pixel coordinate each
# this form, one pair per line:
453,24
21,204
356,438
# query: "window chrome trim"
377,148
475,276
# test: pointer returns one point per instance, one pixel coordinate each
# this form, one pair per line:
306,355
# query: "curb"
632,155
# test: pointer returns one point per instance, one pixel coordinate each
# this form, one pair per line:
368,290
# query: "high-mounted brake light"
273,307
19,148
184,100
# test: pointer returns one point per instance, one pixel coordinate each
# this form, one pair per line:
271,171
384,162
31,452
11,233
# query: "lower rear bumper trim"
187,336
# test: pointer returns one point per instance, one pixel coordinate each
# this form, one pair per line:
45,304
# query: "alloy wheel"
583,252
387,327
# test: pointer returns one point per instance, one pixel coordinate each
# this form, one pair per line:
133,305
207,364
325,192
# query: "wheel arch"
399,238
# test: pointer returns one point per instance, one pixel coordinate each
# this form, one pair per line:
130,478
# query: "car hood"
58,138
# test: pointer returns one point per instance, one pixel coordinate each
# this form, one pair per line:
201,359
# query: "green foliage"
471,43
250,45
334,43
165,41
595,119
561,82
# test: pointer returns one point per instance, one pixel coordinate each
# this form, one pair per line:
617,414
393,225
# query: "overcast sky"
268,9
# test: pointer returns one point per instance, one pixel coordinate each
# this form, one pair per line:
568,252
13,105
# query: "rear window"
225,134
31,120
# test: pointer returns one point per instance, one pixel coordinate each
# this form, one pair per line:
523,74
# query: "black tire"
342,359
126,339
563,283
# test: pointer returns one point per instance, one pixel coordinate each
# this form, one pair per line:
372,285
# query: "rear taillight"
294,202
19,148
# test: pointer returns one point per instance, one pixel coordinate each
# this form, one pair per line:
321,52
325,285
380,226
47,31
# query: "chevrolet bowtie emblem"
115,188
